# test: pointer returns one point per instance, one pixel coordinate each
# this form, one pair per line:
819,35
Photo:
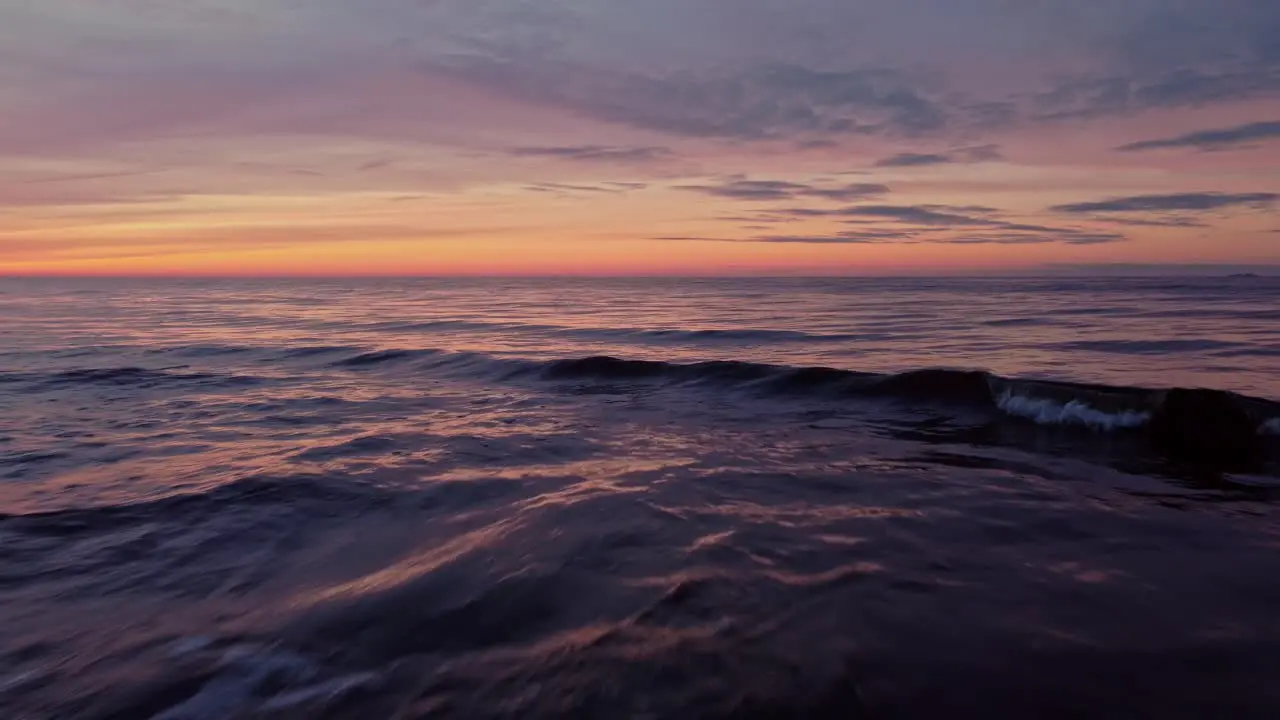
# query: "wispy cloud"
768,101
922,224
860,237
1170,221
975,229
844,238
915,214
215,240
570,189
916,237
751,189
774,190
1160,269
1095,97
595,153
914,160
980,153
1215,139
1179,202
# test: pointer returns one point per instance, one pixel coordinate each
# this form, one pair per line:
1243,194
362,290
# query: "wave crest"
1045,411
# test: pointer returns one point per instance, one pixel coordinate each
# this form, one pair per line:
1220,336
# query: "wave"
628,333
1264,351
382,357
1045,402
1211,313
1021,322
1045,411
1147,347
970,387
286,491
729,335
1194,418
310,350
137,377
1195,423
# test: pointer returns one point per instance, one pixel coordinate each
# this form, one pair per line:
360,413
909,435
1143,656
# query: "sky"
407,137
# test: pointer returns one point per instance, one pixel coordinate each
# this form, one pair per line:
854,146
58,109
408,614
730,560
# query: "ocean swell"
1202,425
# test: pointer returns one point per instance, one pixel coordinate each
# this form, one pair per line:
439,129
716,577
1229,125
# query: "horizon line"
1267,272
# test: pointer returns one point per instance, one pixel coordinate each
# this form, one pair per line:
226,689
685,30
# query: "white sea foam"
240,683
324,692
1045,411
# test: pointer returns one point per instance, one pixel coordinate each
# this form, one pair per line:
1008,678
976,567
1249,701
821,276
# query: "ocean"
639,498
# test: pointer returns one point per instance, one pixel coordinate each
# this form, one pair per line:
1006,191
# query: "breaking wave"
1044,402
1045,411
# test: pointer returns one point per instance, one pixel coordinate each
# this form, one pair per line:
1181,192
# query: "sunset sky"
636,136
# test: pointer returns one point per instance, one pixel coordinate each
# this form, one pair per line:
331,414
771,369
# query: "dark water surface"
638,499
